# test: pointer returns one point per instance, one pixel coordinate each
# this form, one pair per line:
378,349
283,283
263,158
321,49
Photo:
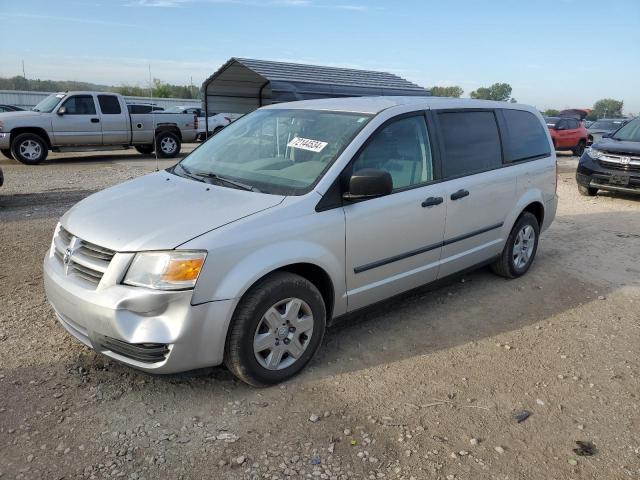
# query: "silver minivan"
292,216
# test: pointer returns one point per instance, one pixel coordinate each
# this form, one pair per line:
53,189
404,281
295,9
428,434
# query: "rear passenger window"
471,142
109,104
402,149
524,136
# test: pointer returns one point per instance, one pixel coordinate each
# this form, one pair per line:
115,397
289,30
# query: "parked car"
613,163
295,215
143,108
603,126
71,120
567,134
587,123
10,108
215,123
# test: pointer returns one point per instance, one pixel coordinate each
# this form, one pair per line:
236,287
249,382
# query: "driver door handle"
95,120
432,201
459,194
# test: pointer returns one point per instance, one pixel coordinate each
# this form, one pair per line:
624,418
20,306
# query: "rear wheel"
587,191
144,149
520,249
7,153
29,149
276,329
167,144
579,150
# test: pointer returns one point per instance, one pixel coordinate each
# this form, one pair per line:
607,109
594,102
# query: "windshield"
630,132
275,150
48,104
606,124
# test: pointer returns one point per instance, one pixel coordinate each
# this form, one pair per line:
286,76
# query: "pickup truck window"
109,104
80,105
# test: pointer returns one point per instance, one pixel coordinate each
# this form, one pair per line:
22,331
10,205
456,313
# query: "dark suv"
613,163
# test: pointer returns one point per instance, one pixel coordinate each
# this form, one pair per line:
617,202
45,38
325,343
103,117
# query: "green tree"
607,108
497,91
454,91
551,112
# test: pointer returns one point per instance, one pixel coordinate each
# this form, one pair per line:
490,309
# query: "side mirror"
369,183
62,110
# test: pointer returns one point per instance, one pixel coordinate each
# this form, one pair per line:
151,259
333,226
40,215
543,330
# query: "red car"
568,134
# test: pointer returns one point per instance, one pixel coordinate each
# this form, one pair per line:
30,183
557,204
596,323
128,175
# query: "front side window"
109,104
524,136
401,148
80,105
281,151
471,142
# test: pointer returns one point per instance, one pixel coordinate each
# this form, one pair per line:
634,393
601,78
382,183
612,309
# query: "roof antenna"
153,116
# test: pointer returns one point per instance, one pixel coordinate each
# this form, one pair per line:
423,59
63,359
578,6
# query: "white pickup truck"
216,121
75,121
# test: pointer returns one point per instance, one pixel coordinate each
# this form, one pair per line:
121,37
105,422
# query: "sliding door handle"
459,194
432,201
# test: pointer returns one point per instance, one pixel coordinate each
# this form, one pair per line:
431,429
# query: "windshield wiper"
188,173
228,181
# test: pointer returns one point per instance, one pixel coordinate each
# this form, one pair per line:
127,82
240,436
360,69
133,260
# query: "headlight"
170,270
593,153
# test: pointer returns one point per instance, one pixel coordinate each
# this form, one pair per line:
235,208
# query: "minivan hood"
160,211
618,146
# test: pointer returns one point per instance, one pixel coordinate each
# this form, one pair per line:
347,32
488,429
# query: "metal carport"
241,85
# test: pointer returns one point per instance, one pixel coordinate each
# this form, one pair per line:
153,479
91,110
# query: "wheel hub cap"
30,149
283,334
523,247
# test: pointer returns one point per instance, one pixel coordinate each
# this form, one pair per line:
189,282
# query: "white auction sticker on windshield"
307,144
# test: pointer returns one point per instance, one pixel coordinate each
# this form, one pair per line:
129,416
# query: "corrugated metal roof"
297,72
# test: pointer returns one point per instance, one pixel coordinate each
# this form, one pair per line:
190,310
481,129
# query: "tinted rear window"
471,142
109,104
524,136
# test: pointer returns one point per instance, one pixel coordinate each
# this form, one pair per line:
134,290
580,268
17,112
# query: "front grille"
626,163
142,352
86,261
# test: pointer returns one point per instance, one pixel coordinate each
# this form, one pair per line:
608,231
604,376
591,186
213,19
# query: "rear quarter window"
471,142
524,136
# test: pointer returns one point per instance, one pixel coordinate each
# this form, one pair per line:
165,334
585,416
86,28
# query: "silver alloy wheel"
30,149
523,247
283,334
168,145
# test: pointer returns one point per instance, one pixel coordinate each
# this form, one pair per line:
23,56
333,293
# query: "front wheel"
587,191
167,144
29,148
520,249
7,153
276,329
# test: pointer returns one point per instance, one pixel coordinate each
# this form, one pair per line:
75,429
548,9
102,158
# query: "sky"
554,53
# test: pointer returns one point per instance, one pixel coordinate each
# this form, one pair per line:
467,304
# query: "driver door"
80,124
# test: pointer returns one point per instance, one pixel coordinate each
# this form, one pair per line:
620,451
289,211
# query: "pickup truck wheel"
144,149
587,191
579,150
7,153
276,329
520,249
167,144
29,149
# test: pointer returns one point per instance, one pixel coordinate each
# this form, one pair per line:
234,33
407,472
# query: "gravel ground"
425,386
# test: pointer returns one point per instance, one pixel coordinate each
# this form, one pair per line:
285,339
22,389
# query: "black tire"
167,138
33,141
7,153
579,150
144,149
239,356
587,191
217,130
506,266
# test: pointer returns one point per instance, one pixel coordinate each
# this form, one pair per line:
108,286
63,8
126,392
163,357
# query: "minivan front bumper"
155,331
